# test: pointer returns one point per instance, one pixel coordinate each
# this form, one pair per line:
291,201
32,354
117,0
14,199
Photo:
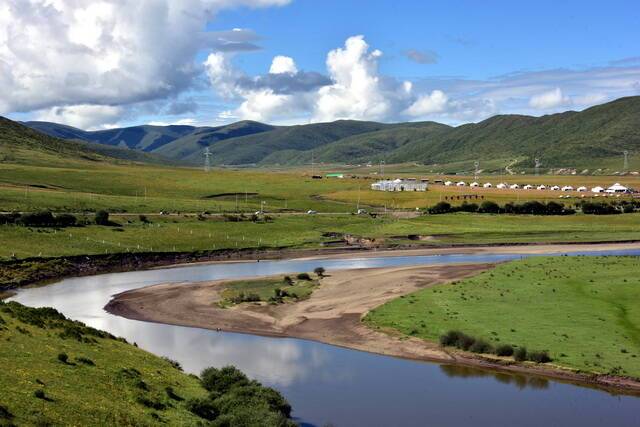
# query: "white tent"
448,183
582,189
487,185
597,189
617,188
502,186
514,186
461,184
474,185
567,188
542,187
554,188
528,187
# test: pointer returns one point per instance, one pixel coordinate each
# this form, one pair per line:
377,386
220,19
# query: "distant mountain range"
595,136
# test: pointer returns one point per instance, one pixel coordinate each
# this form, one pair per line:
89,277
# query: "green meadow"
582,310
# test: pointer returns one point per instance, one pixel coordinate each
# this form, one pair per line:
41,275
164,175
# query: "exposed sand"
334,311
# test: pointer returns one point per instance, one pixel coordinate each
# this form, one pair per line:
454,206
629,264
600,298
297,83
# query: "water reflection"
518,380
327,384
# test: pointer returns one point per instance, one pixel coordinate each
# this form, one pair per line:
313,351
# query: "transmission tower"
476,165
626,160
207,160
538,163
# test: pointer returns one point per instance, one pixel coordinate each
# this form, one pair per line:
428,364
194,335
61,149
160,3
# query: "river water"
337,386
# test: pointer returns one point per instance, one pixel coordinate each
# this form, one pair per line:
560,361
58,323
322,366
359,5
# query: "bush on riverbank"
466,342
39,219
526,208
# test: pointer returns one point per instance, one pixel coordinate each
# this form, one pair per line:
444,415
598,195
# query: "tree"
319,271
102,218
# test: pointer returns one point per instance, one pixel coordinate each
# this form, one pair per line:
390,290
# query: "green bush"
303,276
520,354
539,356
86,361
504,350
40,394
5,414
202,407
319,271
223,379
102,218
63,358
481,346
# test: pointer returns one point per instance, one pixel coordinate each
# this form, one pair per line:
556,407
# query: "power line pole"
476,165
626,160
537,165
207,160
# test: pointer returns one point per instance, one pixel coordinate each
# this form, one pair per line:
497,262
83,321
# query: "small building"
528,187
617,188
448,183
408,184
541,187
334,175
502,186
487,185
461,184
582,189
555,188
514,186
474,185
597,189
567,188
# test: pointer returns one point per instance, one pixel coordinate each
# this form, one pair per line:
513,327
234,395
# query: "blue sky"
179,61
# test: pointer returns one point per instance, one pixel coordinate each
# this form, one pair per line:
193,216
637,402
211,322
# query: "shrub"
171,394
489,207
144,219
504,350
439,208
481,346
102,218
319,271
202,407
223,379
450,338
63,358
520,354
174,363
153,404
303,276
5,414
253,395
40,394
288,280
86,361
539,357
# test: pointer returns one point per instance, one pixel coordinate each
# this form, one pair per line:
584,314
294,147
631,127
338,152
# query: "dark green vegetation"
465,342
60,372
274,290
581,311
537,208
593,138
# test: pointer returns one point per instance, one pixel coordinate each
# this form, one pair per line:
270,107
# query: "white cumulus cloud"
550,99
91,117
434,102
283,65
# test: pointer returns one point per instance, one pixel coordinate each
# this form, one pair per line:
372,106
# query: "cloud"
283,65
63,53
89,117
435,102
422,56
549,99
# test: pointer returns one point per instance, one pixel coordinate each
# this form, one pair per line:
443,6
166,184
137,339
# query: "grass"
582,310
187,233
85,378
269,289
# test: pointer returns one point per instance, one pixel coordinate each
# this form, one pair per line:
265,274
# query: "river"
337,386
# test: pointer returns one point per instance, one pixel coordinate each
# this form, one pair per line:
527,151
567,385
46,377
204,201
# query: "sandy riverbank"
333,314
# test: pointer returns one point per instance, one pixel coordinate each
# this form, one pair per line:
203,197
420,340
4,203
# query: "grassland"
187,233
277,289
59,372
583,310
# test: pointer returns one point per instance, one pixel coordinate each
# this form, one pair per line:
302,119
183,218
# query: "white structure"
582,189
617,188
448,183
514,186
567,188
542,187
554,188
487,185
528,187
474,185
461,184
502,186
407,184
597,189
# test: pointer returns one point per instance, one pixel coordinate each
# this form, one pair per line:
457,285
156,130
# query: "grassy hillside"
59,372
22,145
582,310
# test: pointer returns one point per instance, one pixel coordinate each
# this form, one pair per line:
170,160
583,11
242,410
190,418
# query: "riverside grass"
583,310
186,233
264,289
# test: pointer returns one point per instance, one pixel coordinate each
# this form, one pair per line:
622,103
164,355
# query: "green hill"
593,138
56,371
20,144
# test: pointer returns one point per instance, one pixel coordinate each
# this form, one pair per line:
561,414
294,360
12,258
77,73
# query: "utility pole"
537,165
207,160
476,165
626,160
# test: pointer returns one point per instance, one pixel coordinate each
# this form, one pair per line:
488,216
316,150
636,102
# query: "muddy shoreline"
333,316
